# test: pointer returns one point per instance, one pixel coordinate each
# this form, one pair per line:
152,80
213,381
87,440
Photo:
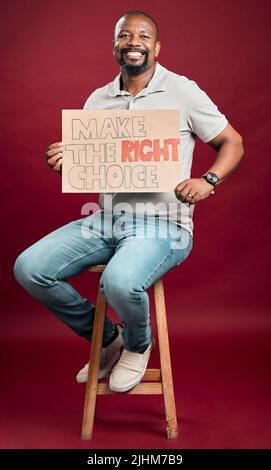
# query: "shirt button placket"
131,104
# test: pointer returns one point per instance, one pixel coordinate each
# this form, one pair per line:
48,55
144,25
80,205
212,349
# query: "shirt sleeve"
88,103
203,116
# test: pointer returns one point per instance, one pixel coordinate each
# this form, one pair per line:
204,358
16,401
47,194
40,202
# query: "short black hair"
140,13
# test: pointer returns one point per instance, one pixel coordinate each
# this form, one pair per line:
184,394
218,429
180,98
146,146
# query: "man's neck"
135,83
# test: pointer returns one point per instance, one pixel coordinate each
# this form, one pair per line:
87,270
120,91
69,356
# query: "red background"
54,54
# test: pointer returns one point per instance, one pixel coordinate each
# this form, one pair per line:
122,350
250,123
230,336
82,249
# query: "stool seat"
154,381
98,268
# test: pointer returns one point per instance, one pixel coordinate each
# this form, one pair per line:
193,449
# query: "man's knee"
23,269
120,286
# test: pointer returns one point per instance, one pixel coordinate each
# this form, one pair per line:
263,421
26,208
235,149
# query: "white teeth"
134,54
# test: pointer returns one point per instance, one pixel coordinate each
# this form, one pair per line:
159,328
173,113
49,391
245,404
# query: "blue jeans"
138,250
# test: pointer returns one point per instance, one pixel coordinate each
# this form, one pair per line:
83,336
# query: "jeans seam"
163,261
63,266
189,247
76,297
156,268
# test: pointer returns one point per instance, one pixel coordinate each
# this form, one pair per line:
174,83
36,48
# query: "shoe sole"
126,388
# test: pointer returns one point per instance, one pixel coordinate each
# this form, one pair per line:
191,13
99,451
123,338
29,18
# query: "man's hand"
54,156
193,190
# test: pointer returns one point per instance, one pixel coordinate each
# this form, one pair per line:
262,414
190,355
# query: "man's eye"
145,36
124,35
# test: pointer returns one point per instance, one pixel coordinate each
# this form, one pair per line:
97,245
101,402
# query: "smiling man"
136,45
135,260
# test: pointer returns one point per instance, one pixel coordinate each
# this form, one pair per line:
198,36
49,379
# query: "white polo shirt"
199,116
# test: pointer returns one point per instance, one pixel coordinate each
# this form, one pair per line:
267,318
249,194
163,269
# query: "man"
134,260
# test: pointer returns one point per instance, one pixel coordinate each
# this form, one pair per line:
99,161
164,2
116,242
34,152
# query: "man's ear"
113,46
157,48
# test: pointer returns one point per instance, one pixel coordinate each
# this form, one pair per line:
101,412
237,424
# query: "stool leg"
162,329
93,374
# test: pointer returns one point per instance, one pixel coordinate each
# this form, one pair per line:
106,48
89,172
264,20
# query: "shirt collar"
156,83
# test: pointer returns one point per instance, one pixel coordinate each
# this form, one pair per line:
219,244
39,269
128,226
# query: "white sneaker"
109,356
129,370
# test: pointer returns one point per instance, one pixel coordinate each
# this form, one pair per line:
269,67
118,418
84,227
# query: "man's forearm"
227,160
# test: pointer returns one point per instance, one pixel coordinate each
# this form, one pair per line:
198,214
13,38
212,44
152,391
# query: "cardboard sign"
120,150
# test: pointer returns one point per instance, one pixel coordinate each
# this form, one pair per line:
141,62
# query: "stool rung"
150,374
147,388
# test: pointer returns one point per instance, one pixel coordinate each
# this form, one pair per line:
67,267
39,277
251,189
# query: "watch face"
212,177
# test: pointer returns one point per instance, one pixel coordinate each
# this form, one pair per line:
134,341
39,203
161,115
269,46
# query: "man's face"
135,46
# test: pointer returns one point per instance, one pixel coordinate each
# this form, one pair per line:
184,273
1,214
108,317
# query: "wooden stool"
163,376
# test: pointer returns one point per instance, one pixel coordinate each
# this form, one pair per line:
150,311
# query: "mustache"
133,49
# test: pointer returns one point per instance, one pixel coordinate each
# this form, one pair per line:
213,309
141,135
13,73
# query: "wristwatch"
211,178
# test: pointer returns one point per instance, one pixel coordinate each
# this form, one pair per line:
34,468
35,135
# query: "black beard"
134,69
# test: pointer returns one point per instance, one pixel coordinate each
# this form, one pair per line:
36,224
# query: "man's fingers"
53,160
190,195
184,195
193,200
179,195
192,187
55,145
54,151
58,166
179,190
54,156
181,186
